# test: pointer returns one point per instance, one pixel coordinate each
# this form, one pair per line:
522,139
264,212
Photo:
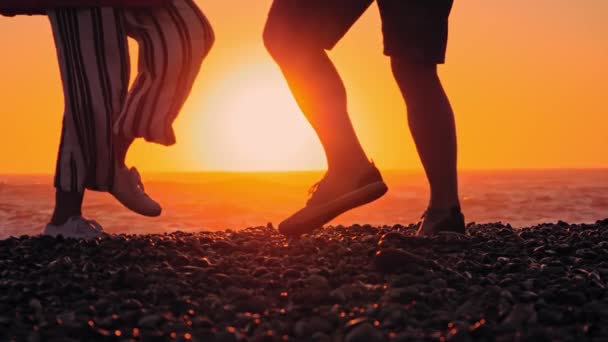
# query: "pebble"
393,260
150,321
364,333
546,282
312,325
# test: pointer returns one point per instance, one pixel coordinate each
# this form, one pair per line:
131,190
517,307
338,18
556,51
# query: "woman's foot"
76,227
129,190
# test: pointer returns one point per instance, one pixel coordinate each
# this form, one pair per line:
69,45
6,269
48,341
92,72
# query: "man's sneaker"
76,227
129,190
327,202
442,220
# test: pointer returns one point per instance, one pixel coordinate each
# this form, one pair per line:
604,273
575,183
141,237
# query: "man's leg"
91,59
431,121
314,80
296,35
416,38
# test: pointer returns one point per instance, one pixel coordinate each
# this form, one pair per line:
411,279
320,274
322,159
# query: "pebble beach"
356,283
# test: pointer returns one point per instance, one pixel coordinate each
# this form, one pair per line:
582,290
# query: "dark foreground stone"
359,283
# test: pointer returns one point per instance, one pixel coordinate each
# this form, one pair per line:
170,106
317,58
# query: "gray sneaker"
76,227
129,190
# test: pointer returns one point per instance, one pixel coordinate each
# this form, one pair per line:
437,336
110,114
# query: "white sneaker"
76,227
129,190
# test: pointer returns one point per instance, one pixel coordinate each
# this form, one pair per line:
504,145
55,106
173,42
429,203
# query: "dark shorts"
416,29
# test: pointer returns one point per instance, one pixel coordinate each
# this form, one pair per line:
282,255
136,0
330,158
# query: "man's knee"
283,42
414,73
414,68
276,38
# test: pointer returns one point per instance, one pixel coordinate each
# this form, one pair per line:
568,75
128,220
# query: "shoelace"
137,177
83,227
426,213
423,216
419,223
95,225
140,184
315,188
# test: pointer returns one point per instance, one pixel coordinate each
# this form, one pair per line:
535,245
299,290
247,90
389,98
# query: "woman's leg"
173,42
94,65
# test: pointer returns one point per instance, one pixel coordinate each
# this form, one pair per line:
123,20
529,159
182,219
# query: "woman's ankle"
67,204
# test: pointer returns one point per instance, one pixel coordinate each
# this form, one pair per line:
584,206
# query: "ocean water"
216,201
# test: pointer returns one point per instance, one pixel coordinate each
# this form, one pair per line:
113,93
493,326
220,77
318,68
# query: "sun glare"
255,124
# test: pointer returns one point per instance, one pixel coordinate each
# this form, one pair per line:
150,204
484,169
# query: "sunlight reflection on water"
215,201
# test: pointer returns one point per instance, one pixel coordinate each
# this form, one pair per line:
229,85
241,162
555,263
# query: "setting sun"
258,127
241,116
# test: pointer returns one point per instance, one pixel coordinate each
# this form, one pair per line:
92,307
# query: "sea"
220,200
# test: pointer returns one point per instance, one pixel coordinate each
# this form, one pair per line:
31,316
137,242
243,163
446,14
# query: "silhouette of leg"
67,204
431,122
320,93
415,37
351,180
92,69
173,41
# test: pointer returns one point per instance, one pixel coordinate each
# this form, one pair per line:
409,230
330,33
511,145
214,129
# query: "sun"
251,122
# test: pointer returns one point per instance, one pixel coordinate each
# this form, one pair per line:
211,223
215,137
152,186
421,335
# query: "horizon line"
417,170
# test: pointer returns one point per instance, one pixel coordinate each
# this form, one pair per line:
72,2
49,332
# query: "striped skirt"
99,105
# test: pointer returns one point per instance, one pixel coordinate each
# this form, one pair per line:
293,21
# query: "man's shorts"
415,29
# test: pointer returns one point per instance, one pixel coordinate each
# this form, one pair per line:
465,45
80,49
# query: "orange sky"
526,78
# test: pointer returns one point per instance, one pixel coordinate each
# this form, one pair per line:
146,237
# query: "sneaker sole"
316,217
459,231
71,236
